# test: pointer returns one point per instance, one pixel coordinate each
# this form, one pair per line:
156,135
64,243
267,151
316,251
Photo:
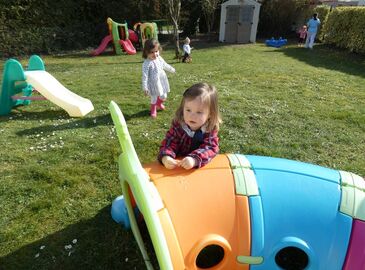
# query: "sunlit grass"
58,175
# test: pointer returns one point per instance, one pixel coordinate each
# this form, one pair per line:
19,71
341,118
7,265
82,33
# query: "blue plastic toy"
119,212
277,43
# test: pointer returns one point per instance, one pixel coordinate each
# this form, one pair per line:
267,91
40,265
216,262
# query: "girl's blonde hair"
149,45
186,40
208,95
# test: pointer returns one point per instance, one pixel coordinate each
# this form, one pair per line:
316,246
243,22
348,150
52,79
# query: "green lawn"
58,175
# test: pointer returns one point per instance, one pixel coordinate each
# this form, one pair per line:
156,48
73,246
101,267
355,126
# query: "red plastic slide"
102,46
127,46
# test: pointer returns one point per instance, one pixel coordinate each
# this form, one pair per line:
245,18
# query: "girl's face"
196,113
154,53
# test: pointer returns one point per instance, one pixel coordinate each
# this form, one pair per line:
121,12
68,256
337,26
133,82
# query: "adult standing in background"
312,25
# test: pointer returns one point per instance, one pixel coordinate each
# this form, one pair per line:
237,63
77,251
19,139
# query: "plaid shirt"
178,142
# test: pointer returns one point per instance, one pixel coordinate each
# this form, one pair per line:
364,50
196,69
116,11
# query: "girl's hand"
187,163
169,162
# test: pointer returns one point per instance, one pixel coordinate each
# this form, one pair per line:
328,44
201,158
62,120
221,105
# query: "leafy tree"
150,9
277,17
209,7
191,13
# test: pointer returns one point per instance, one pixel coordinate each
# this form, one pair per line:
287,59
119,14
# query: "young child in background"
302,35
154,79
187,51
193,135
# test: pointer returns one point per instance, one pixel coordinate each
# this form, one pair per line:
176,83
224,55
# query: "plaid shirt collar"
190,132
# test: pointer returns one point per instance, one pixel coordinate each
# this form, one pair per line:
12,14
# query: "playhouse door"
231,24
245,24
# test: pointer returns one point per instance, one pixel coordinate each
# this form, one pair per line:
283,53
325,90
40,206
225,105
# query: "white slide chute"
54,91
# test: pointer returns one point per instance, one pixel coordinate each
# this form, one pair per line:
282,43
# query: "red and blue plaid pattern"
177,143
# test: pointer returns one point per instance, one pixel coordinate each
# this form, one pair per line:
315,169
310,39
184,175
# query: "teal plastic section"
27,92
35,63
133,176
13,83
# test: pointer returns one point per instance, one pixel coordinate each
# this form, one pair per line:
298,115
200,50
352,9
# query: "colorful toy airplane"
244,212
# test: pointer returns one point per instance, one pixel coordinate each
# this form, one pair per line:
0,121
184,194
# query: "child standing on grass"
154,79
302,35
187,51
193,134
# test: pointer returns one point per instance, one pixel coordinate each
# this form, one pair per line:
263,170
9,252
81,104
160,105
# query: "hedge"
34,26
345,28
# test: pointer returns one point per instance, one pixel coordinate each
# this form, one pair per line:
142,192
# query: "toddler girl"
302,35
154,80
187,51
193,134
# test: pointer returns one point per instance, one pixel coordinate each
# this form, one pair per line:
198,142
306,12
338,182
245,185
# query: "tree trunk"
174,8
176,41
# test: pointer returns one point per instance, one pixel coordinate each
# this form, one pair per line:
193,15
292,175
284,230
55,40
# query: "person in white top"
313,25
187,51
154,79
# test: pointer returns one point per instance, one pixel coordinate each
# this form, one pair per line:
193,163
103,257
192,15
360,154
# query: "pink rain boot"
153,110
159,103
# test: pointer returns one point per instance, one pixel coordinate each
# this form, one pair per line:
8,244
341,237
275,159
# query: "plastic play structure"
119,36
146,30
277,43
242,212
16,81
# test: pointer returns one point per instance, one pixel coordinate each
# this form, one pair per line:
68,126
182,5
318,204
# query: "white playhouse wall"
255,20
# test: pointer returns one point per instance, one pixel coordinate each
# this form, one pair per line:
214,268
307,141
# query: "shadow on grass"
140,114
92,122
120,59
22,113
101,244
41,115
329,58
85,53
101,120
